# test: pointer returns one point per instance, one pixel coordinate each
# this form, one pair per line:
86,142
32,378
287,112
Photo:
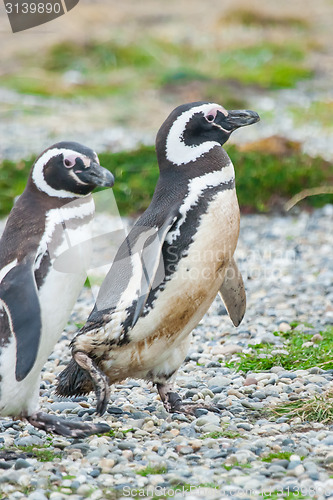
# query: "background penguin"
175,260
54,210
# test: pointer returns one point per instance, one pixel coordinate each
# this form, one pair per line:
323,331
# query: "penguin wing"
19,297
137,269
152,266
232,292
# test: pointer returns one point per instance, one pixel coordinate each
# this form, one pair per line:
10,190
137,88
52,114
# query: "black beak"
241,117
96,175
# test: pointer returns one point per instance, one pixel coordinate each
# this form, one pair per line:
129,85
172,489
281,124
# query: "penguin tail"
74,381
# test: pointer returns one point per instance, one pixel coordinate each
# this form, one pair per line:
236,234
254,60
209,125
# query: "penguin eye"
69,162
210,118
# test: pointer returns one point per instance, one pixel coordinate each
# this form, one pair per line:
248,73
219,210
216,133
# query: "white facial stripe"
196,188
176,150
6,269
76,179
38,173
56,216
219,126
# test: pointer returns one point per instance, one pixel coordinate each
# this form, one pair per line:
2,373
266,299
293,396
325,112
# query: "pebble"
193,450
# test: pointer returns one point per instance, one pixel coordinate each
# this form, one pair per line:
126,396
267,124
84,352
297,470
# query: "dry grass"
319,408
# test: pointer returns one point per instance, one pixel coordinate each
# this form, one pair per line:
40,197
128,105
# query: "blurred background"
107,74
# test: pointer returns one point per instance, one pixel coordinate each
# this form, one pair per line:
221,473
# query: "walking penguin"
174,261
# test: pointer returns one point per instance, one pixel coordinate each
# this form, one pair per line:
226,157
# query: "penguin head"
193,129
69,170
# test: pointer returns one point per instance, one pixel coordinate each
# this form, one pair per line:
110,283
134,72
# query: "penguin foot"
99,379
191,408
173,402
65,427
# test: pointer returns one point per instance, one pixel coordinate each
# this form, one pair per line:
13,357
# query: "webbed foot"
65,426
99,379
173,402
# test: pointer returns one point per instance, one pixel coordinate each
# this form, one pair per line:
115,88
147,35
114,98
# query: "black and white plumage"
37,296
175,260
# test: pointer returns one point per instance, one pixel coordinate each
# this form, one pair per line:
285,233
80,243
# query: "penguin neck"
214,160
50,202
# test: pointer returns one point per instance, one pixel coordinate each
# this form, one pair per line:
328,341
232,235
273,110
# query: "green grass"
152,470
266,65
298,357
94,55
105,68
41,453
282,455
260,178
319,408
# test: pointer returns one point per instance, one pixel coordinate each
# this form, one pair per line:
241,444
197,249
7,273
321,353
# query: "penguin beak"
96,175
240,118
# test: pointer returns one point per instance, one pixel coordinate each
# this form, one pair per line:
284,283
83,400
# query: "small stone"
37,495
219,381
210,418
199,412
114,410
184,450
250,381
21,464
230,349
328,440
282,462
284,327
316,338
259,395
196,444
234,392
128,454
251,406
298,470
5,465
276,470
245,426
210,428
95,473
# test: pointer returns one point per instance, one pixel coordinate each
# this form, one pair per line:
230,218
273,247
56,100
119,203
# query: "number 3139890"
33,8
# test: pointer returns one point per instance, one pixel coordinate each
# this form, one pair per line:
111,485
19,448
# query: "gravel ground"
287,267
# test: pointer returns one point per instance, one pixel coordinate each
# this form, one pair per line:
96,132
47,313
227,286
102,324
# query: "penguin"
175,260
36,293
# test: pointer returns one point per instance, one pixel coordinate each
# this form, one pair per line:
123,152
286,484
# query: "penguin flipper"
152,266
135,271
232,292
19,297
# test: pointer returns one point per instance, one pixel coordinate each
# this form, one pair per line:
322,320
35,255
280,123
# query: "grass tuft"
263,356
282,455
319,408
158,469
41,453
